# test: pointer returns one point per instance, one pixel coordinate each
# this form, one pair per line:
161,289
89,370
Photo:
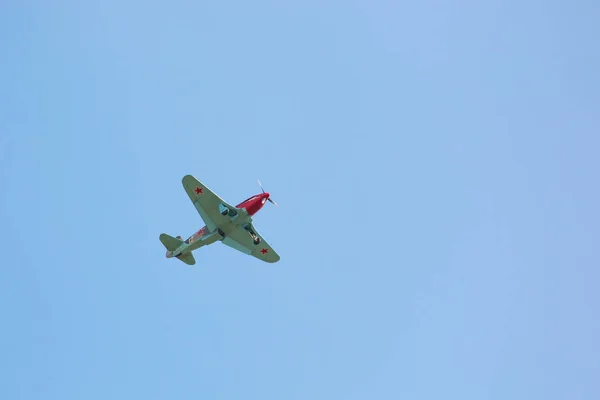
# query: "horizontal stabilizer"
187,258
170,242
173,244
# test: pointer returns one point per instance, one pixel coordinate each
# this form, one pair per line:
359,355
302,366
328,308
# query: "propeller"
263,190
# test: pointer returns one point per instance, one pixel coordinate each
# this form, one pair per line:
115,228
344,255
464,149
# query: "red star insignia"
264,251
198,190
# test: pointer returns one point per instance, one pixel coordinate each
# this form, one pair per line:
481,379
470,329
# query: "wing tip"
273,259
187,178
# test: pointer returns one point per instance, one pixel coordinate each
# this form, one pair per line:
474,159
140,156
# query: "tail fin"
172,244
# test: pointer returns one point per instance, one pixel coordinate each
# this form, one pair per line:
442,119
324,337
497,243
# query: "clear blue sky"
436,166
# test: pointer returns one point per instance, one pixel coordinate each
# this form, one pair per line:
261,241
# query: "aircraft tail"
187,258
172,244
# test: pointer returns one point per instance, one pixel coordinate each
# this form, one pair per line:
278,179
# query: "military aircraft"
230,225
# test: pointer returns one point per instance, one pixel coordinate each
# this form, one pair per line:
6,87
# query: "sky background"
436,166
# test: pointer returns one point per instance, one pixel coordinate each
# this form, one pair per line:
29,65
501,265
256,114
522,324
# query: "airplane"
231,225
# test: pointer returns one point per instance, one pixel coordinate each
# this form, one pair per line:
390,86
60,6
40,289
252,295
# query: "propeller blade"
263,190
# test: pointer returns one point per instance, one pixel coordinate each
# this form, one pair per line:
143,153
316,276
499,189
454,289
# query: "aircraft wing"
241,240
207,203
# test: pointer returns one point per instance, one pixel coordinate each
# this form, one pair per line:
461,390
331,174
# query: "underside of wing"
213,210
242,240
